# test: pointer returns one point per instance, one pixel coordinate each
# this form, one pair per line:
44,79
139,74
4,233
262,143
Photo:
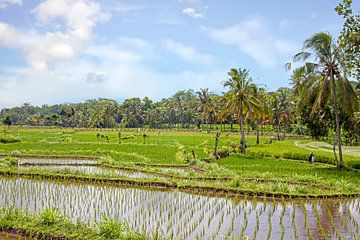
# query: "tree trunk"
284,130
257,132
334,150
278,128
217,135
337,119
242,141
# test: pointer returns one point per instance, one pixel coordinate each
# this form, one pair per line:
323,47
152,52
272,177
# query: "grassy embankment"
50,224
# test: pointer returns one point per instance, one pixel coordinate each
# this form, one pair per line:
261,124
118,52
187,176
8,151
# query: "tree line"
323,100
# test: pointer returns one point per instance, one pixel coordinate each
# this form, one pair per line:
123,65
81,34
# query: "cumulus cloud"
192,13
42,49
5,3
81,79
65,65
253,38
188,53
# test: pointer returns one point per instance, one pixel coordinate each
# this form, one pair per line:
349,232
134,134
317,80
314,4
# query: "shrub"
9,162
9,139
356,165
223,152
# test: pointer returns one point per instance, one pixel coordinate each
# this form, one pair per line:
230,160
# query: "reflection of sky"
185,215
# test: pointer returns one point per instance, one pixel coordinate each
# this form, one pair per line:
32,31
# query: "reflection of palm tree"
323,78
240,97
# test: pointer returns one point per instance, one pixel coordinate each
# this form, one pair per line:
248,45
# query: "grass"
298,176
50,224
269,167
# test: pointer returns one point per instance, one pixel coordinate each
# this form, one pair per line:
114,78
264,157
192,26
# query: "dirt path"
323,146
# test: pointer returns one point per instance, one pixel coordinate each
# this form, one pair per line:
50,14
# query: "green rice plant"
50,217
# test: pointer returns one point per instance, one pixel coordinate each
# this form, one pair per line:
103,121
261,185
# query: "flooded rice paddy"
55,162
187,216
90,170
84,167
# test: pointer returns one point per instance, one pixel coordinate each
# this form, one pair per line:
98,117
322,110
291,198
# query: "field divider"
204,190
88,179
232,192
75,157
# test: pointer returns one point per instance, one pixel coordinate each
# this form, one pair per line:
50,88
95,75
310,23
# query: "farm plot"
180,215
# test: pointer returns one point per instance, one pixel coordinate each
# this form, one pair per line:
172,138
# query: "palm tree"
206,105
286,107
276,112
324,78
262,110
241,98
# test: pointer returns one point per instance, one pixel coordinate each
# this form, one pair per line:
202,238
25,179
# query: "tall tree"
349,38
326,78
241,98
8,121
206,106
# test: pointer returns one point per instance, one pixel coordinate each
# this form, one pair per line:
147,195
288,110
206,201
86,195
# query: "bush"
9,139
356,166
223,152
9,162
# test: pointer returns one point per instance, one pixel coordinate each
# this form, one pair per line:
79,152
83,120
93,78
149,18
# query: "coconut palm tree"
262,111
325,79
241,98
207,105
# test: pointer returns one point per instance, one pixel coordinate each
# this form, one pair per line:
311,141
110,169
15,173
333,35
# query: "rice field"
167,186
180,215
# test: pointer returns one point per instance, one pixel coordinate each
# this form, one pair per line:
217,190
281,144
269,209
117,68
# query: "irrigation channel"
181,215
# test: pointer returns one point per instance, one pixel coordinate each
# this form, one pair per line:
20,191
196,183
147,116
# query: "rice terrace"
99,141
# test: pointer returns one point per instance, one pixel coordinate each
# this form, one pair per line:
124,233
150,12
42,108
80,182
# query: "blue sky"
55,51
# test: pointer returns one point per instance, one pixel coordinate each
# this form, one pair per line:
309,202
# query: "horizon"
71,51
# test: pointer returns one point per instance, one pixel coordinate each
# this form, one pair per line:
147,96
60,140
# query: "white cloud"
42,49
134,42
188,53
8,35
253,38
111,75
192,13
79,68
5,3
112,53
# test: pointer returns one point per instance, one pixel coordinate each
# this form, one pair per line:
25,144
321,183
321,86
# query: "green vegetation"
267,165
50,224
74,170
